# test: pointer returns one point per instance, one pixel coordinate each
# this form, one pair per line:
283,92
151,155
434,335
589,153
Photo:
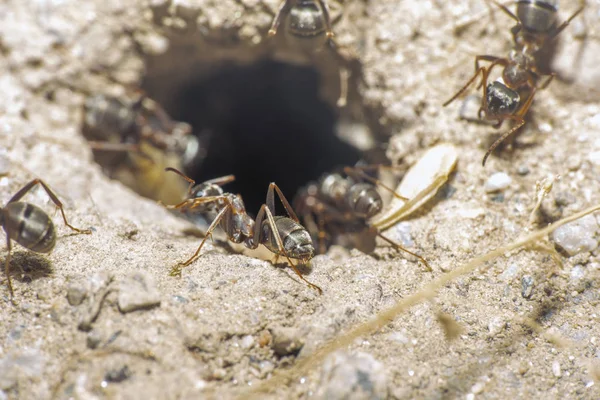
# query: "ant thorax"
516,73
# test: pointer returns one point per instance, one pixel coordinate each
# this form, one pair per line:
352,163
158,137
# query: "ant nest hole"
260,112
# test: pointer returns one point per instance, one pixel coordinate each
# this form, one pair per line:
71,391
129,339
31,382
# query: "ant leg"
322,234
271,201
222,180
52,196
264,211
193,203
124,147
520,121
107,146
406,251
327,18
550,78
568,21
283,10
506,11
184,176
7,266
344,77
176,270
494,61
217,181
358,172
462,90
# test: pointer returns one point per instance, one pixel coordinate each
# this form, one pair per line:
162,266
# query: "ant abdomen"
297,242
29,226
364,200
537,16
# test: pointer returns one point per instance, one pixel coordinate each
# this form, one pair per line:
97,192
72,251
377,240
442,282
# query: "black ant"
134,139
29,225
344,203
283,236
307,29
510,97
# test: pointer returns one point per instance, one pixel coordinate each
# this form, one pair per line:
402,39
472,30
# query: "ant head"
299,245
306,17
205,189
501,100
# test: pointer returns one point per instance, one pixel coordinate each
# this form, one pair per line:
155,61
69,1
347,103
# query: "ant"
135,139
283,236
344,204
29,225
307,23
308,29
121,125
510,97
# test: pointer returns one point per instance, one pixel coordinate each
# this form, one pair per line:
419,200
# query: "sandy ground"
232,322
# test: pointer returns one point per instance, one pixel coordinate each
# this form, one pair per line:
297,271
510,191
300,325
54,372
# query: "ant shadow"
27,266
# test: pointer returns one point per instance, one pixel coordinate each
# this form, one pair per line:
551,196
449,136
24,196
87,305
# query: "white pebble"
556,369
496,325
352,376
247,342
497,182
138,292
577,273
577,236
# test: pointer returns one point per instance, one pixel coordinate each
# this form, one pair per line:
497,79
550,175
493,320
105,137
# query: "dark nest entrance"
263,122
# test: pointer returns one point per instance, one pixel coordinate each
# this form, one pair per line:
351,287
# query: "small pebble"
286,341
527,282
93,340
497,182
577,273
137,292
352,376
496,325
76,293
469,109
247,342
4,164
556,369
402,231
509,273
523,170
266,367
577,236
118,375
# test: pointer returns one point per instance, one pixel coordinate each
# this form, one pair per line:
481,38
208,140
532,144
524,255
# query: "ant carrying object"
307,29
121,125
344,203
134,139
29,225
509,97
283,236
